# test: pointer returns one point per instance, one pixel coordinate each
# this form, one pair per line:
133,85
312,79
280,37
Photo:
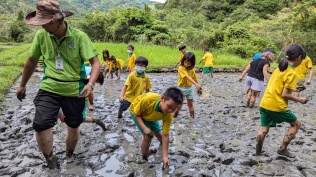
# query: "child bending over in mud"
257,71
116,67
186,79
274,103
136,83
147,110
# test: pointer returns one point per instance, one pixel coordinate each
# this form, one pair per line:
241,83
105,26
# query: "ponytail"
283,64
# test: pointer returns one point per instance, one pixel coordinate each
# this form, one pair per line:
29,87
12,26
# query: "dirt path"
219,142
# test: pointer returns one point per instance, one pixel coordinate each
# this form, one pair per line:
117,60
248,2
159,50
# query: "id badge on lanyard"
59,61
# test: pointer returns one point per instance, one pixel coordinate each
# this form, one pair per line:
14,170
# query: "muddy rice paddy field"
219,142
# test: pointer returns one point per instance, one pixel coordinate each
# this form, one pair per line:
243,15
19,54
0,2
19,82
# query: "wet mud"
220,141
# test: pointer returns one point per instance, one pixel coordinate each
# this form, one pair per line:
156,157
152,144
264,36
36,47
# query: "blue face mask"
140,69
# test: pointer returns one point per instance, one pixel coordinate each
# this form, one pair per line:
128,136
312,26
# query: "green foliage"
8,75
18,28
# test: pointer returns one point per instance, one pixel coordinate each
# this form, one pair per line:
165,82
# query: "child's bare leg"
212,76
290,133
145,146
253,98
191,108
202,75
249,93
88,120
260,139
158,135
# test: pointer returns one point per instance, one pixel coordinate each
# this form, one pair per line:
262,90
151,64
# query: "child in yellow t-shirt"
208,66
301,71
186,79
116,66
182,48
130,59
105,64
136,83
147,110
274,103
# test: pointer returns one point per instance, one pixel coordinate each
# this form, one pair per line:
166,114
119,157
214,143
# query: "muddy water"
219,142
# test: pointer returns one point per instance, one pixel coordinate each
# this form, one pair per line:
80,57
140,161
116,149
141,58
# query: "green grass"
8,74
160,56
13,57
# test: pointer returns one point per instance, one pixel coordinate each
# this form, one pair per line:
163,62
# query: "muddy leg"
248,91
260,139
72,138
145,145
158,135
253,98
45,141
290,133
191,108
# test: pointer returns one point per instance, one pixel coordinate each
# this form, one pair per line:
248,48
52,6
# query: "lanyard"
58,45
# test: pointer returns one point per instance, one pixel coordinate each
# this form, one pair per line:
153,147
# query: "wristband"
91,85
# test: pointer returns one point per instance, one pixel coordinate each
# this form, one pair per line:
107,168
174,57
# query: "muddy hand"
165,163
21,96
304,100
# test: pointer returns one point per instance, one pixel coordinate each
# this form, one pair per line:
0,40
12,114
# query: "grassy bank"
13,57
160,56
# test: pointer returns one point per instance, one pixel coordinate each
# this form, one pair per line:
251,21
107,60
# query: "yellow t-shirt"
131,62
181,57
117,65
136,85
182,73
147,106
302,69
272,99
208,58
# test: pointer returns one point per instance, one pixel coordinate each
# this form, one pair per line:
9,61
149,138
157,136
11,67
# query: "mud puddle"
219,142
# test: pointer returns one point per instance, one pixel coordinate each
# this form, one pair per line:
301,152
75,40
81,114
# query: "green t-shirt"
75,48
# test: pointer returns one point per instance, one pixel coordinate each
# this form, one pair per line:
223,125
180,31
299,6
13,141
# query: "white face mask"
140,69
129,51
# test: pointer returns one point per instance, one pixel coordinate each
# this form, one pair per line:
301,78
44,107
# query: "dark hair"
131,46
292,52
206,50
267,50
107,53
189,56
175,94
112,57
142,60
181,47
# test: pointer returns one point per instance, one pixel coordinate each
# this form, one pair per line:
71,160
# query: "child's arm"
266,72
165,147
123,92
244,72
311,73
141,124
191,80
286,94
